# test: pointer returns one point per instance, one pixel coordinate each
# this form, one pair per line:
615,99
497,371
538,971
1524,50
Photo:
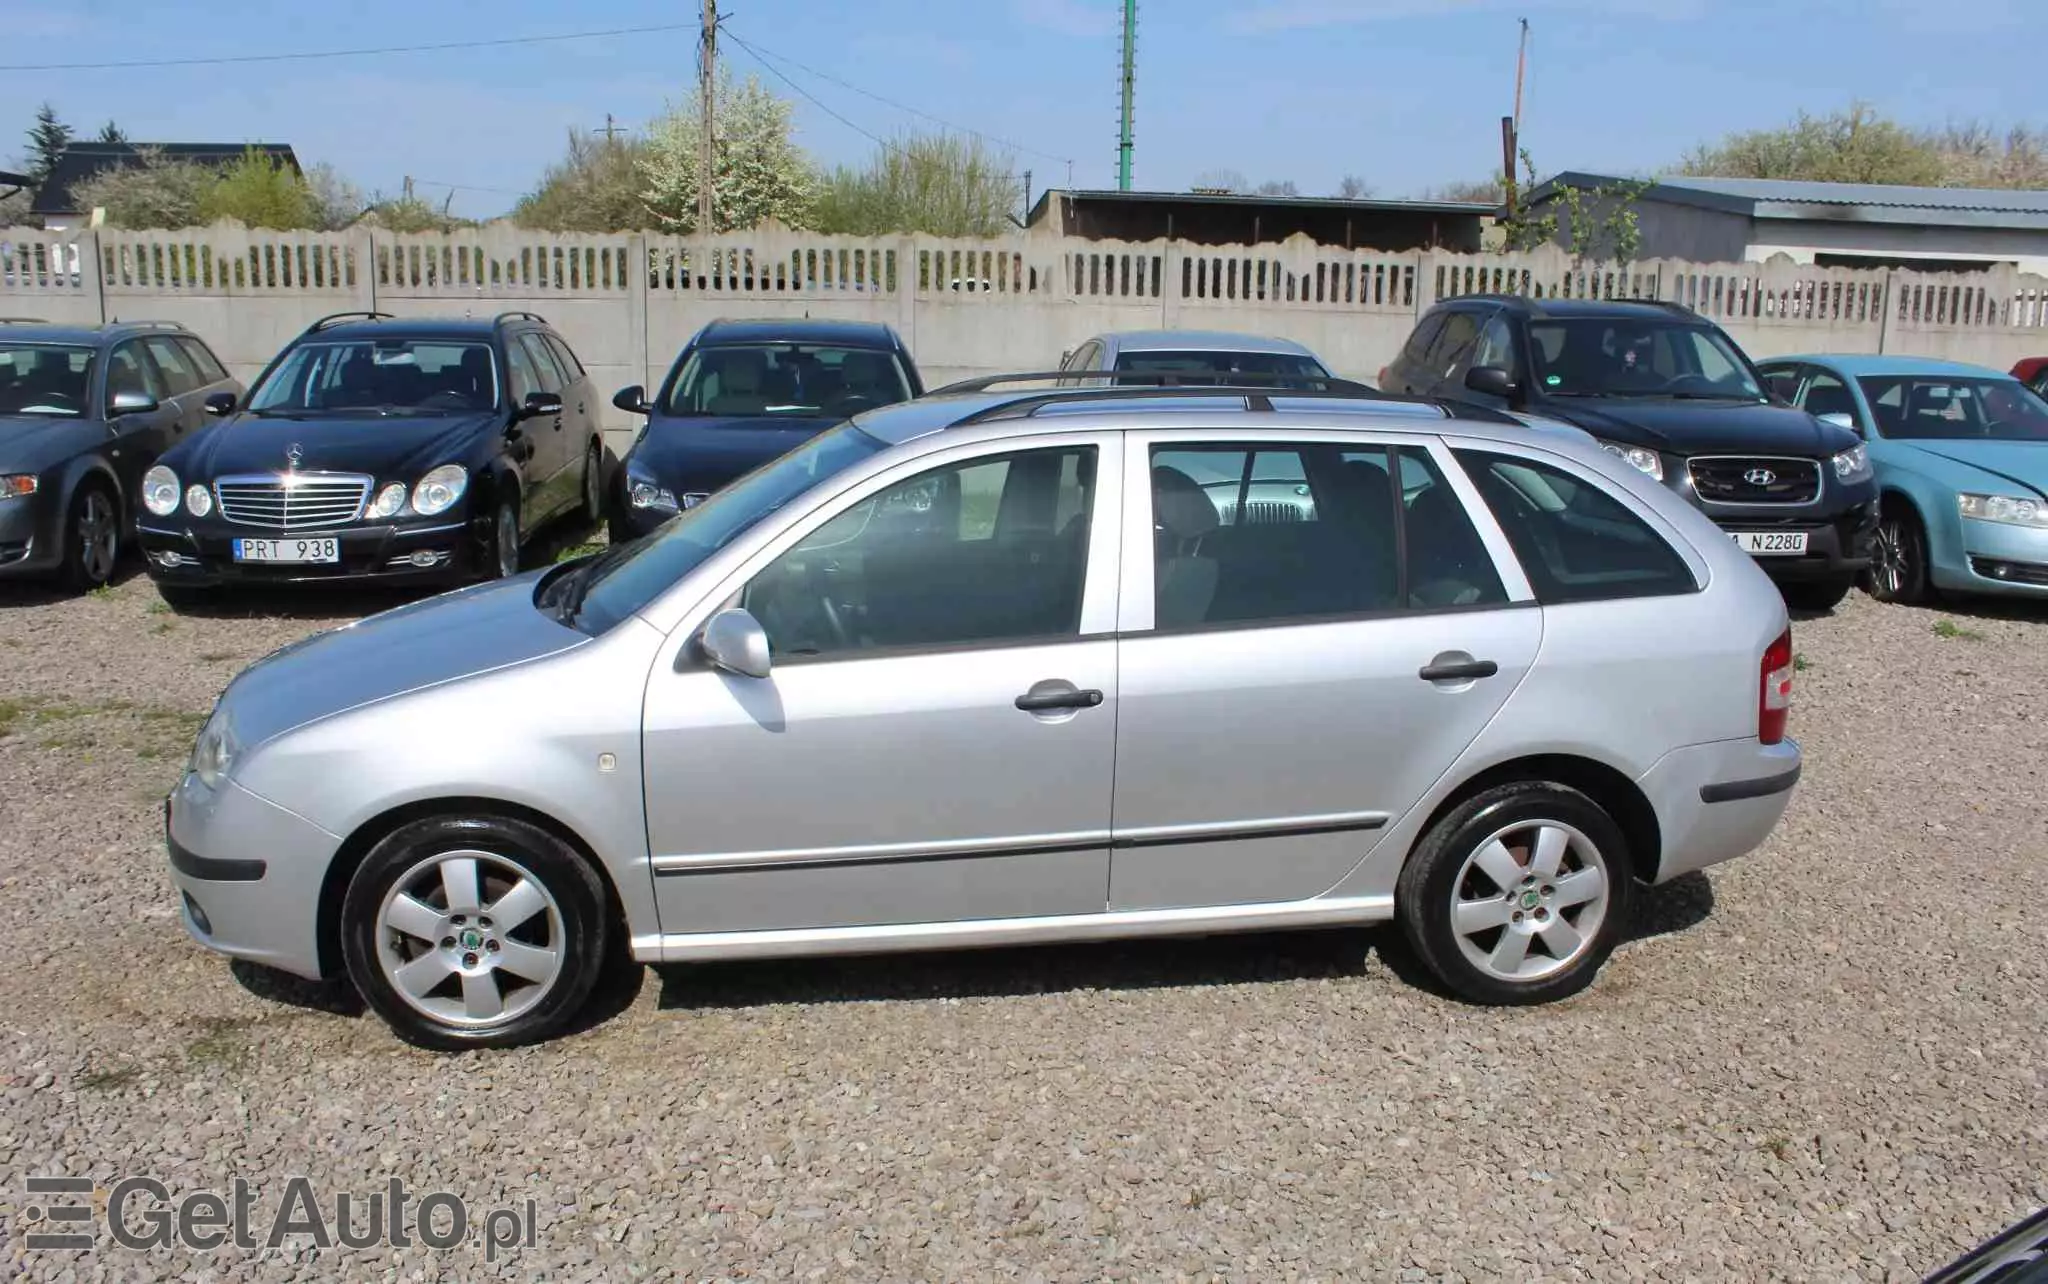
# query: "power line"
351,53
777,73
762,55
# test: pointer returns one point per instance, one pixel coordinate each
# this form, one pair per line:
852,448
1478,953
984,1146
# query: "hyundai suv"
1663,388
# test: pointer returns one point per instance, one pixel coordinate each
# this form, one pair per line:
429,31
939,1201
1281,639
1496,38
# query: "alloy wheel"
99,537
507,541
1888,553
1529,900
470,938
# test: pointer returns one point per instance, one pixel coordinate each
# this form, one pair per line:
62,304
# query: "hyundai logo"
1759,476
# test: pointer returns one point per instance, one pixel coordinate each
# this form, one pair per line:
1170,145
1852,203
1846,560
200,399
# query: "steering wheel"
841,635
1689,382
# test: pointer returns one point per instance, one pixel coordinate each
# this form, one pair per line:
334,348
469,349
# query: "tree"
47,139
412,214
1353,188
1227,181
1977,155
336,202
757,172
1594,224
155,192
14,207
1489,191
595,187
933,183
258,190
111,134
1278,187
1851,146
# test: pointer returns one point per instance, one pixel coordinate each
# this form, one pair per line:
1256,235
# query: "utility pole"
1511,127
707,92
610,131
1130,76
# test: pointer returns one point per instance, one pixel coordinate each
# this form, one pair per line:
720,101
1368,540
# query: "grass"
162,731
109,1080
10,713
1950,629
103,591
215,657
222,1042
1800,663
158,607
1780,1148
575,551
164,626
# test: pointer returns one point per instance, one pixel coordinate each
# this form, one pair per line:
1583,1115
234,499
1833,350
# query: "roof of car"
410,328
1616,309
1860,364
37,331
1201,341
852,334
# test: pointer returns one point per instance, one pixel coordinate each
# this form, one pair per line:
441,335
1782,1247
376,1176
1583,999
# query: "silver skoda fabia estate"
1002,667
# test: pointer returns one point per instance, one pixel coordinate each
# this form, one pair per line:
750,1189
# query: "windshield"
789,380
1219,365
1602,357
44,379
628,577
384,376
1987,409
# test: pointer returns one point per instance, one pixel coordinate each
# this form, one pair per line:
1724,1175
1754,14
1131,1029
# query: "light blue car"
1961,454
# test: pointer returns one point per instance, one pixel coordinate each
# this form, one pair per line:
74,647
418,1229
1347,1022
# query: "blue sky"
1404,93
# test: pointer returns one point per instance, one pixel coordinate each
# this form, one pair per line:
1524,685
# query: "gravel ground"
1822,1062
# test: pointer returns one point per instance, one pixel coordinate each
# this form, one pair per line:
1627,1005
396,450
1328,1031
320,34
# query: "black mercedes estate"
374,448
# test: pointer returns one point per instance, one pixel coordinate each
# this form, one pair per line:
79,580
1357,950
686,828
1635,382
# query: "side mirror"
632,400
130,402
220,404
1492,381
735,642
1839,418
542,403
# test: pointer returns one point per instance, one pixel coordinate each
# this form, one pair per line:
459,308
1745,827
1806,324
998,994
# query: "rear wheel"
92,538
1817,595
1898,557
474,932
593,485
1518,894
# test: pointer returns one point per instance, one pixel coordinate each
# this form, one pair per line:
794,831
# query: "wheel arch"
1613,791
348,858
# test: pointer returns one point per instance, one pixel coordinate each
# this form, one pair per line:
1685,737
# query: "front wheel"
593,485
92,538
474,932
1518,894
504,562
1898,558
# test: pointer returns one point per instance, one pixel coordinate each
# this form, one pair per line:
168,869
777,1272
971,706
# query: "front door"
1313,631
554,438
934,741
144,436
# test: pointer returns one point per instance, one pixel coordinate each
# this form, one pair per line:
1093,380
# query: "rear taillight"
1774,692
1381,382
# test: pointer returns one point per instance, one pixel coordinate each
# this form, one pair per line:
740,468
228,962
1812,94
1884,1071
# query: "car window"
565,357
178,373
1425,334
543,361
1990,407
1826,394
1453,344
785,380
1576,543
388,376
202,359
128,370
1496,345
987,551
1249,534
1781,381
1630,357
44,379
525,380
1193,367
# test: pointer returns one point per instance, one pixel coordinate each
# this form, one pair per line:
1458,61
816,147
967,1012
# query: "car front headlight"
160,493
17,485
389,502
643,491
1853,465
1645,459
213,754
439,489
2010,509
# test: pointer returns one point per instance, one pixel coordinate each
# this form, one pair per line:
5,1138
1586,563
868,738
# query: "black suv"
1667,390
378,448
84,410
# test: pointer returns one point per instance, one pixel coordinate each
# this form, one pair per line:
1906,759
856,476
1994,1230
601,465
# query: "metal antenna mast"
1130,76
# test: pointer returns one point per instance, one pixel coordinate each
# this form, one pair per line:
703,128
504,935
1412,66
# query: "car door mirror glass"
735,642
1840,419
1492,381
632,400
130,401
220,404
543,403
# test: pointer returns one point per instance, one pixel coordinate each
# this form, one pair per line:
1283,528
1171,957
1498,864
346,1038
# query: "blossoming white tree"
757,171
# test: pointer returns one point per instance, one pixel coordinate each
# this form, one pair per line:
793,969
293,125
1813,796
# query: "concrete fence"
628,302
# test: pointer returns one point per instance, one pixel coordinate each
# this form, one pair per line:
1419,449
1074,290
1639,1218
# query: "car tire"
1485,916
1817,595
1898,557
592,511
92,538
425,948
503,560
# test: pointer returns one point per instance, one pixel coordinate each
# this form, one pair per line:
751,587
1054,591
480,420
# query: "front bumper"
1837,545
249,874
374,553
31,534
1998,558
1717,801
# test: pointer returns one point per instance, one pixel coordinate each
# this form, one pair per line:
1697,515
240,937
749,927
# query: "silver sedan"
1018,667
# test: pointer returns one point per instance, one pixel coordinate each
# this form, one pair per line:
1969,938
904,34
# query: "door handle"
1458,671
1040,701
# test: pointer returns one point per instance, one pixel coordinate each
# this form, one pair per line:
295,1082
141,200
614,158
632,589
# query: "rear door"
579,406
1312,630
560,447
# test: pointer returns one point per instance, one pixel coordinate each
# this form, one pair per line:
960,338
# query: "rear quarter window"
1576,542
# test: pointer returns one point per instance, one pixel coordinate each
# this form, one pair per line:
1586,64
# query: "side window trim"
152,380
543,361
1099,578
565,357
210,367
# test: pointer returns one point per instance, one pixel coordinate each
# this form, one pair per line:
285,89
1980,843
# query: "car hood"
397,446
705,453
422,644
31,443
2022,463
1704,427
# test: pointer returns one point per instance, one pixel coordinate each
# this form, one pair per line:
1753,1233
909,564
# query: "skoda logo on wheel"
1759,476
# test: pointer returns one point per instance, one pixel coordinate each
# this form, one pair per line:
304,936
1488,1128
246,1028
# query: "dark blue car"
742,393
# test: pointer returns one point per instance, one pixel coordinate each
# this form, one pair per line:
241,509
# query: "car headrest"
1181,505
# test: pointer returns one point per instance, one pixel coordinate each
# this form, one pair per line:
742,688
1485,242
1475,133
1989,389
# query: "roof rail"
1151,381
503,317
24,321
336,318
1257,399
147,325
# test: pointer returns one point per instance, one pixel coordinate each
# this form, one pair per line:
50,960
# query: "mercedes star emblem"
293,454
